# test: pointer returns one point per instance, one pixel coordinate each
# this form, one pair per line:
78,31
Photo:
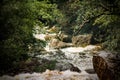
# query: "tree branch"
86,21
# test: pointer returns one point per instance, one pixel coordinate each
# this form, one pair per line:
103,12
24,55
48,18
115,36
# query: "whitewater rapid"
79,57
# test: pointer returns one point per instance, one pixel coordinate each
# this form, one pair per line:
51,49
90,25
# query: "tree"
97,17
18,19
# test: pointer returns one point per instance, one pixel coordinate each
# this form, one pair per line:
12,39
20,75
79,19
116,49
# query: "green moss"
47,65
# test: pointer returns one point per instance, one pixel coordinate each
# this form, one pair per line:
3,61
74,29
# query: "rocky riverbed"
71,63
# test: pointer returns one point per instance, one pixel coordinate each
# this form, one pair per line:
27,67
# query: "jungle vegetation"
18,19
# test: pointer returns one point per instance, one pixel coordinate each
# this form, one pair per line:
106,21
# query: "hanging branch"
86,21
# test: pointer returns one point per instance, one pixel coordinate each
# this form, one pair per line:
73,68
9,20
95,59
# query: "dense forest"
19,20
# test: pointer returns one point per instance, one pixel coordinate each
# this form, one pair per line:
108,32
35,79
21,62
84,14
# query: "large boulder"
106,65
81,40
55,43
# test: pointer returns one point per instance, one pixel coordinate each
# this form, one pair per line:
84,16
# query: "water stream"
79,57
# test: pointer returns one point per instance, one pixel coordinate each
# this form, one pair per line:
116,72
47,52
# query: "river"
73,63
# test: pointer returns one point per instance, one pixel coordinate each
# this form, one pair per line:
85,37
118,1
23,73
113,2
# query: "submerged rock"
62,66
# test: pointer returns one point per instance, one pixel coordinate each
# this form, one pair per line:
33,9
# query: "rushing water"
77,56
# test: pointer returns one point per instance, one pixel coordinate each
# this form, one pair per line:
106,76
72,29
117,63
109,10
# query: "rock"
64,37
62,66
55,43
106,65
81,40
90,71
53,29
48,37
67,39
75,69
6,77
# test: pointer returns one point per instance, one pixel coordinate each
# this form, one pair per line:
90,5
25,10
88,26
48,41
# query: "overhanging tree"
18,19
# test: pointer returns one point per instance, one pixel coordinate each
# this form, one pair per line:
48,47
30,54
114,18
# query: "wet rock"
64,37
75,69
106,65
81,40
62,66
55,43
90,71
48,37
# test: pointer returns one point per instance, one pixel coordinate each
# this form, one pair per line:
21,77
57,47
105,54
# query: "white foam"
40,36
52,75
78,49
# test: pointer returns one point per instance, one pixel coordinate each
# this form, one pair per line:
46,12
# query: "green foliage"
15,32
18,19
36,47
101,18
47,65
47,15
111,36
